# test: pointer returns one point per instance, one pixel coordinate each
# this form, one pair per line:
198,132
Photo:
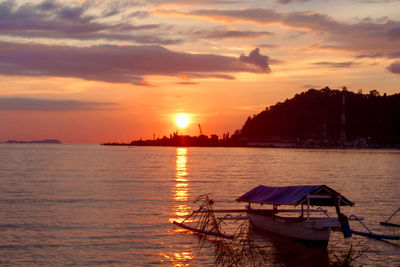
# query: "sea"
93,205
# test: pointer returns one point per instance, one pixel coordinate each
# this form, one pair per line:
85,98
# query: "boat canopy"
319,195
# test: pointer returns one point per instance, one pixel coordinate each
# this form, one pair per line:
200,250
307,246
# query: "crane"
201,132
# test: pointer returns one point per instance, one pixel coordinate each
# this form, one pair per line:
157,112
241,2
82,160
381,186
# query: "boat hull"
311,232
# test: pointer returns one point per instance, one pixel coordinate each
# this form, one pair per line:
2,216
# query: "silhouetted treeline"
185,140
316,114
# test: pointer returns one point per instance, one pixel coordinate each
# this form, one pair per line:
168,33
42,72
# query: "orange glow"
182,120
179,259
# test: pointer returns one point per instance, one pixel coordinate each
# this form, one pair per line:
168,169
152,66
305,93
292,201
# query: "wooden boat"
314,231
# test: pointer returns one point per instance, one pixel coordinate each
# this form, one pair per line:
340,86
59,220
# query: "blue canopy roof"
293,195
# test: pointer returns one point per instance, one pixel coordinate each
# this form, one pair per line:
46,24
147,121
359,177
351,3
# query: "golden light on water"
179,259
181,187
181,209
180,190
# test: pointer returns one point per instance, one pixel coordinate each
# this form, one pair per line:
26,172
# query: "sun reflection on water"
181,186
179,259
181,209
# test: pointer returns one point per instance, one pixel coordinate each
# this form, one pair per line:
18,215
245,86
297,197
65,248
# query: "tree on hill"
316,114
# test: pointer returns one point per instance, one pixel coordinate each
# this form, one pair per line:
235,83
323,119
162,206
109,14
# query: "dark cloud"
394,32
257,15
376,55
290,1
209,75
269,46
395,54
394,67
139,14
74,14
309,86
128,64
34,104
312,20
46,16
186,83
47,5
112,8
138,38
225,34
347,64
194,2
256,59
51,19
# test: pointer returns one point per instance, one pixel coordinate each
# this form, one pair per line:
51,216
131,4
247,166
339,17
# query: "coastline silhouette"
322,118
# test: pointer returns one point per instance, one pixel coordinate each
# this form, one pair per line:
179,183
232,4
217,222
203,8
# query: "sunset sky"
101,71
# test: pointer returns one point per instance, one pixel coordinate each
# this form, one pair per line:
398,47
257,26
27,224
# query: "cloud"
347,64
257,15
225,34
395,54
193,2
394,67
256,59
51,19
186,83
139,14
269,46
375,55
394,32
290,1
126,64
366,36
308,86
34,104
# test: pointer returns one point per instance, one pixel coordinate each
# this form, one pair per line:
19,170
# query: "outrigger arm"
387,223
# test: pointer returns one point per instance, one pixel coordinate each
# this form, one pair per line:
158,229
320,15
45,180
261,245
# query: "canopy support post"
308,207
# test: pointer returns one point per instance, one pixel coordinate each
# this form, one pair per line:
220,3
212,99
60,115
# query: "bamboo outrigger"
387,223
369,233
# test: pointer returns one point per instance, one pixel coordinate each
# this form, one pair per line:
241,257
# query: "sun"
182,120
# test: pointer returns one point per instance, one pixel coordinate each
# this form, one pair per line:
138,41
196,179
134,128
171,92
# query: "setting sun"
182,120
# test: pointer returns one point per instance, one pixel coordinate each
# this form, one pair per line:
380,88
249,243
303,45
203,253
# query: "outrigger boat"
314,231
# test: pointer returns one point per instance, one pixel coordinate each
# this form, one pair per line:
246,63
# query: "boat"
312,230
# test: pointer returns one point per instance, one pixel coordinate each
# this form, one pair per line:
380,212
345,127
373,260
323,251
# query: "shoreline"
247,146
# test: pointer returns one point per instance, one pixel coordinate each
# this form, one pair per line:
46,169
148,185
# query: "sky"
115,71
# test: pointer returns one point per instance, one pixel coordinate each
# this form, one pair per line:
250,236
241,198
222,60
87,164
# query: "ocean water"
92,205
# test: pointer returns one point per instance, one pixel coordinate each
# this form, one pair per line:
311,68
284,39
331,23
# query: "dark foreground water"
90,205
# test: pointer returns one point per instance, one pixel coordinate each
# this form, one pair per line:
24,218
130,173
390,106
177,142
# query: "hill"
316,115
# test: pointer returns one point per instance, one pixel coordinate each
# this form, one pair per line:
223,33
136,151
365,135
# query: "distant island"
45,141
323,118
